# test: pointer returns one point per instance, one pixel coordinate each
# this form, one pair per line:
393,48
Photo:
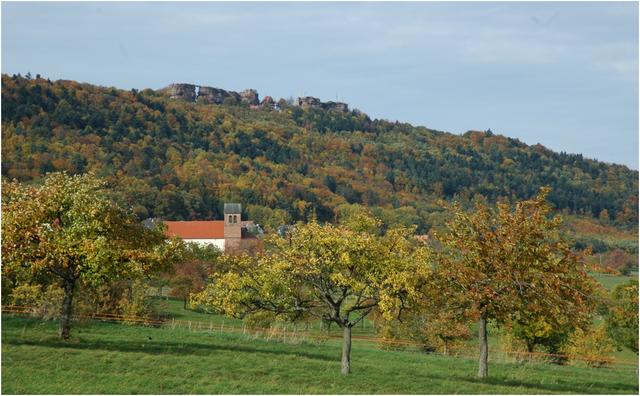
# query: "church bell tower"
232,221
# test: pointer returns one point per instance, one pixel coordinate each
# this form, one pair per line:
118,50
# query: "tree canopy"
622,318
181,161
513,264
68,230
337,273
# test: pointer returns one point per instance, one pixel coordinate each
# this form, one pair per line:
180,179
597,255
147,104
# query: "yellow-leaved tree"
338,273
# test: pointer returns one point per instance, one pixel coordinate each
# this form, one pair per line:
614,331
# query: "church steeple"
232,220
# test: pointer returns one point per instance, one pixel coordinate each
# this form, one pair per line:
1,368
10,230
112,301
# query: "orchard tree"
514,263
549,322
67,229
622,318
442,317
191,273
337,273
438,320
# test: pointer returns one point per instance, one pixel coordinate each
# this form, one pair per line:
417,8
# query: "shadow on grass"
197,349
162,347
566,383
587,387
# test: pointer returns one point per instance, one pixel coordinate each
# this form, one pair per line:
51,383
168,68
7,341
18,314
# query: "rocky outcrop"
182,91
210,95
216,95
309,102
250,96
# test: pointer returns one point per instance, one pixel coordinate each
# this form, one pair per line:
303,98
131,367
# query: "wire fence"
292,335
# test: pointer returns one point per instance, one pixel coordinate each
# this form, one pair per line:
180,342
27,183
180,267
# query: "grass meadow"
126,359
118,358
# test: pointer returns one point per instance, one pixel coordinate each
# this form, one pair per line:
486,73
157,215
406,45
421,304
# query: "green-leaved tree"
68,230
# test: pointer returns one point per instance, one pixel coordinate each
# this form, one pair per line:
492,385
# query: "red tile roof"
196,229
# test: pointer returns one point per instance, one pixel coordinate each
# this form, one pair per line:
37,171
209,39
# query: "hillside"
176,159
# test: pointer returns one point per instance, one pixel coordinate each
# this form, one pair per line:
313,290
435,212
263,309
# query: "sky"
564,75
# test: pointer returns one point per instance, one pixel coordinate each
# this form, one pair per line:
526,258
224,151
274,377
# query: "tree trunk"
446,348
65,315
530,346
186,298
484,347
346,350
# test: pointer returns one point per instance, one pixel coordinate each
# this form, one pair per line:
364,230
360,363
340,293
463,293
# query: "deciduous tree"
190,274
67,229
339,274
513,263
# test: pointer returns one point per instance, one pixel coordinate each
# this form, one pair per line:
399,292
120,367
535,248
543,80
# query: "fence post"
189,325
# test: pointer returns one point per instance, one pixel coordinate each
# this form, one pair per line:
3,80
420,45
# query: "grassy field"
116,358
611,281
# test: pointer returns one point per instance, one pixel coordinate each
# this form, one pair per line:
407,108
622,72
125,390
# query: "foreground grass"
115,358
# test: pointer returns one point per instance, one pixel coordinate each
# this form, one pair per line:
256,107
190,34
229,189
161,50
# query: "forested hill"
180,160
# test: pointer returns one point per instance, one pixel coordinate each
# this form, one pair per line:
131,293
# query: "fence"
295,334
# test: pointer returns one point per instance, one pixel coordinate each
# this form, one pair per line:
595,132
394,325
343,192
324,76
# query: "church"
229,235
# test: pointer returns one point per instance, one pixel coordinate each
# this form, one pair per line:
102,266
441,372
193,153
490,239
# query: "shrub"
45,300
260,320
622,317
136,303
592,346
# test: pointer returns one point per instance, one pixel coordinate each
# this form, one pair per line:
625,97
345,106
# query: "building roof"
232,208
196,229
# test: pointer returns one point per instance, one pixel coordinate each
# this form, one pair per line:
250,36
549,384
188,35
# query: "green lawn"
116,358
611,281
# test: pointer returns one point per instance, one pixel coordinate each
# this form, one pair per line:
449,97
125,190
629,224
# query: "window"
230,219
235,219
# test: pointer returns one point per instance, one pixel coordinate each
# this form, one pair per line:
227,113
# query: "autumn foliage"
68,231
513,265
338,274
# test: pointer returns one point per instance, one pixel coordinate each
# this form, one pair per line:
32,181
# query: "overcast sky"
561,74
